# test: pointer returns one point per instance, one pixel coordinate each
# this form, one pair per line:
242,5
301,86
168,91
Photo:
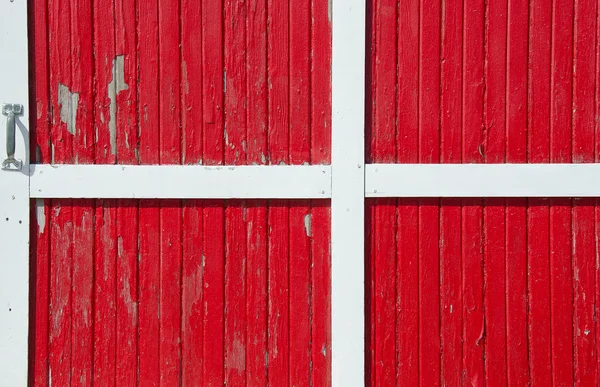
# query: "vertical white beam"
14,198
348,193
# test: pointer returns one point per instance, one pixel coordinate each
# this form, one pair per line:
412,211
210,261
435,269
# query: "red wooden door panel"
482,291
194,292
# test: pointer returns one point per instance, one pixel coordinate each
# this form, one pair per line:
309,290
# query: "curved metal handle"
11,111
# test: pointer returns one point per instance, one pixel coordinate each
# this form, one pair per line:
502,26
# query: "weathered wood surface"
483,291
177,292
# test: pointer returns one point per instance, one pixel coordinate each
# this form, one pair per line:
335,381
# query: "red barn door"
180,292
482,291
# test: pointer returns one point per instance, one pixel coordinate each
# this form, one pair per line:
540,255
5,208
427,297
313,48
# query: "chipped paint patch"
116,85
69,103
308,224
40,214
330,10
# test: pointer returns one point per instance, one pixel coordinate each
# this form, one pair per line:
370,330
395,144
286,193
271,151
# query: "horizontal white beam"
180,182
312,182
483,180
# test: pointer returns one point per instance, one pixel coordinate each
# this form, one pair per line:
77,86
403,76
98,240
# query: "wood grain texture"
500,291
150,292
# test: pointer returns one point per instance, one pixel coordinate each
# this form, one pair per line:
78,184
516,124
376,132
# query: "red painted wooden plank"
212,57
256,296
192,334
407,297
494,210
583,222
105,246
407,271
538,218
321,293
450,209
451,297
516,239
40,212
170,211
82,292
125,80
124,87
299,215
61,255
278,290
299,292
383,149
561,287
583,253
61,247
320,211
472,214
83,211
104,55
170,292
235,292
192,294
149,217
278,217
148,293
126,358
256,211
472,278
105,251
428,217
320,82
235,211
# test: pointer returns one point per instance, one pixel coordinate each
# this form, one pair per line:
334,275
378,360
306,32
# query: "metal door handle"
11,111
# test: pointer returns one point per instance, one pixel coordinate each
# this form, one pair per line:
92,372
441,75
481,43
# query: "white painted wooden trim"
347,206
483,180
180,182
14,199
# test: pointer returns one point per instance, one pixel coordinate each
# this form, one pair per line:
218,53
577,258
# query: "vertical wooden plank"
299,216
450,209
494,210
320,221
256,267
235,212
82,291
320,30
61,255
83,210
192,335
383,234
516,152
299,292
40,228
278,217
105,247
124,89
583,224
60,294
429,152
256,282
170,212
149,217
538,218
321,294
105,250
472,214
561,273
213,148
407,298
